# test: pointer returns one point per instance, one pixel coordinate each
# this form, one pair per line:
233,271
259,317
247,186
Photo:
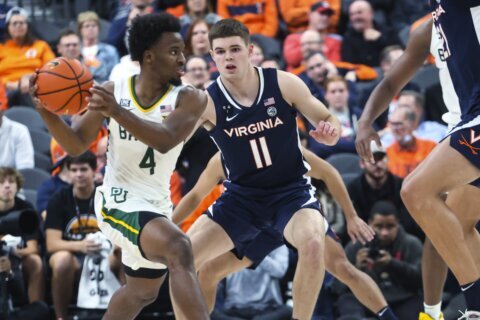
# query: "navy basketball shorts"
465,138
244,213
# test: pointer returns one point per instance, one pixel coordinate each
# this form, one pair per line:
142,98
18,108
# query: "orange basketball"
63,86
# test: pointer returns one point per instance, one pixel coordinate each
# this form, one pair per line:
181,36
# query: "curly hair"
147,30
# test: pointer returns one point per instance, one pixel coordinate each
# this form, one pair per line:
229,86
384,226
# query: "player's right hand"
365,135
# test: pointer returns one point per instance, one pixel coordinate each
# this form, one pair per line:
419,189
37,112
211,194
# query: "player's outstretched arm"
209,178
177,126
296,92
76,139
402,71
322,170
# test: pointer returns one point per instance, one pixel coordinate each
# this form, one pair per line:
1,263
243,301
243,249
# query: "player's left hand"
359,230
102,101
325,133
384,260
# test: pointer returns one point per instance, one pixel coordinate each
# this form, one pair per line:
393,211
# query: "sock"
433,311
386,314
471,291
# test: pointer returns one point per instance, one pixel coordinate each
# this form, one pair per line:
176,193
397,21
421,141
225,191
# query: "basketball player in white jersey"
133,205
464,201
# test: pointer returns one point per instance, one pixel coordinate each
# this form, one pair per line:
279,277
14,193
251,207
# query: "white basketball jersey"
132,165
450,98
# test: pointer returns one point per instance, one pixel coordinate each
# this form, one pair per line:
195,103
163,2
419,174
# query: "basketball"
63,86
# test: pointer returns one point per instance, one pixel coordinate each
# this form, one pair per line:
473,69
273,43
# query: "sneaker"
424,316
470,315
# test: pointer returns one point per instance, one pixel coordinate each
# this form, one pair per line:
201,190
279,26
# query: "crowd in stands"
340,49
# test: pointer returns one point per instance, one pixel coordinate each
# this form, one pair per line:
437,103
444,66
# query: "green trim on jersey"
125,222
136,101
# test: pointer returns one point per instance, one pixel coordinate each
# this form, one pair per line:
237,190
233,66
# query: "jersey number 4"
254,145
148,161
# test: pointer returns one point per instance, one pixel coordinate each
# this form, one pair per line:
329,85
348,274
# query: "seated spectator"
337,97
257,56
21,264
197,44
117,33
364,40
255,294
196,72
407,151
271,63
20,55
392,260
3,98
377,183
16,144
70,217
319,18
311,42
260,17
198,10
69,45
423,129
98,56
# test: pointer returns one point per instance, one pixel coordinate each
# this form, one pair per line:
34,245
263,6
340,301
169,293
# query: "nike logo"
465,289
231,118
382,312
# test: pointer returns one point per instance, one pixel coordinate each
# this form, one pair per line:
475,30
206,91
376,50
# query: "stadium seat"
34,177
31,196
43,162
41,142
426,77
27,116
349,177
345,163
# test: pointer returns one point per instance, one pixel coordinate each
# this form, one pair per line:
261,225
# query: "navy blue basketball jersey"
458,25
259,144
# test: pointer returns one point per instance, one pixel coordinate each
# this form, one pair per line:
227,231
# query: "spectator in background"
197,44
196,72
260,17
198,10
377,183
99,57
16,148
20,55
407,151
424,129
364,40
255,294
118,29
392,260
271,63
70,217
319,18
69,45
3,98
257,56
337,97
23,260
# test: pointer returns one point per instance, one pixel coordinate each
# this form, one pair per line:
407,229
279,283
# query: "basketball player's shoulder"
290,85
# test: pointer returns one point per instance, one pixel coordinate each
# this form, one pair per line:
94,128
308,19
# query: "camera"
374,248
19,222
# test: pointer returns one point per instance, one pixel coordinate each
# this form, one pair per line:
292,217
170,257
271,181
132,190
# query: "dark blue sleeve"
44,193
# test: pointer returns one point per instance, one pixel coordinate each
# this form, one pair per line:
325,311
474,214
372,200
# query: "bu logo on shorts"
473,139
119,195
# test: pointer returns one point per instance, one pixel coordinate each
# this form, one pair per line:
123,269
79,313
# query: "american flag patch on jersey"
166,108
269,101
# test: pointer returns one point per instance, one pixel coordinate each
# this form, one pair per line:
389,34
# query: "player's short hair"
88,157
383,208
226,28
11,172
147,30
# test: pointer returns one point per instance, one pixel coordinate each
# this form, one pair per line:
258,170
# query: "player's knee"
143,298
312,250
411,195
179,251
208,275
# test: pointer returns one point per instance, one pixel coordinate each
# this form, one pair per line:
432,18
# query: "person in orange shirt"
296,13
20,55
406,153
259,16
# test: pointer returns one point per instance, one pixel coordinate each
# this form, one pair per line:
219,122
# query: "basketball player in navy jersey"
251,116
453,165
